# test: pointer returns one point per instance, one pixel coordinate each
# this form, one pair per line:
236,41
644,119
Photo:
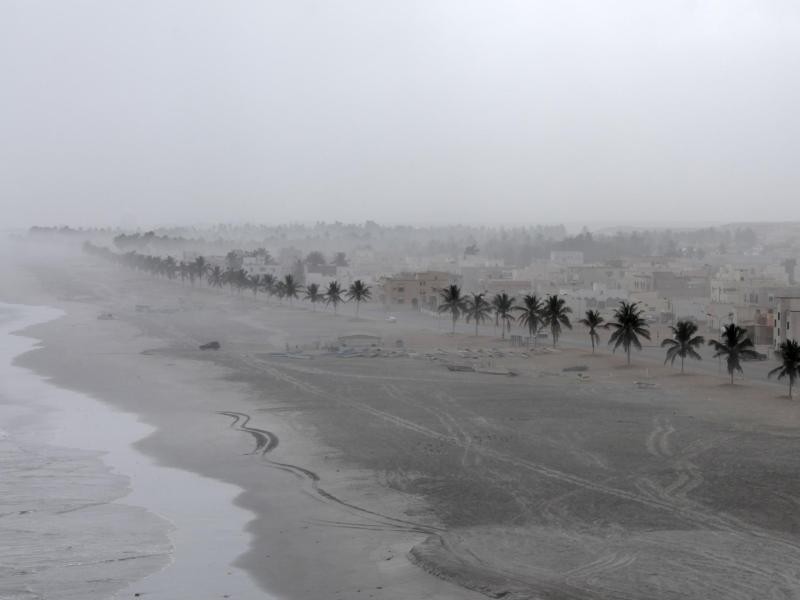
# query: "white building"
567,258
256,265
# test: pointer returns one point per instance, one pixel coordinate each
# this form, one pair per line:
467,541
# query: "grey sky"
402,111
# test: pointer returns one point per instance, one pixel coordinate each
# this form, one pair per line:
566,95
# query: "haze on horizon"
399,111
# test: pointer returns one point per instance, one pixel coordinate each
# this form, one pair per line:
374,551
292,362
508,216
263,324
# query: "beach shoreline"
393,477
61,422
126,364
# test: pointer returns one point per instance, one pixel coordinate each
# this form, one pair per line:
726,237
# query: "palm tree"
216,277
280,291
333,295
241,280
503,304
628,326
555,315
683,343
789,351
254,283
360,292
199,267
452,302
592,320
291,287
531,315
476,308
313,294
183,270
268,282
229,277
734,345
170,267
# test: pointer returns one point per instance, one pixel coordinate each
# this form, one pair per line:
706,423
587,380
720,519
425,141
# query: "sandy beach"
390,476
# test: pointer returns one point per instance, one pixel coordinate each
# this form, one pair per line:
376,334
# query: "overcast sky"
166,111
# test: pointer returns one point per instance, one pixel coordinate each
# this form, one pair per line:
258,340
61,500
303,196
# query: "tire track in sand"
266,442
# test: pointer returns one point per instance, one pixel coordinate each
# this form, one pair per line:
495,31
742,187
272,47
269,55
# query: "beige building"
787,320
415,290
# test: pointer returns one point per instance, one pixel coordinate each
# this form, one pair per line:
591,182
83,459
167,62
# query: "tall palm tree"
268,282
628,326
216,277
477,309
333,295
503,304
199,267
280,290
789,352
592,320
531,315
359,292
452,302
229,277
170,267
734,345
183,270
683,343
555,315
254,283
313,294
241,280
291,287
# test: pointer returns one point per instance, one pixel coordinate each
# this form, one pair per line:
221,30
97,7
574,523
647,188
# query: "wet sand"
626,483
86,514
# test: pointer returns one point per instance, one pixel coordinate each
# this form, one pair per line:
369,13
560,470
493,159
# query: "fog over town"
382,300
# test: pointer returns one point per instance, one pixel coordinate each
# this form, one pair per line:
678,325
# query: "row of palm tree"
238,279
629,328
534,313
735,346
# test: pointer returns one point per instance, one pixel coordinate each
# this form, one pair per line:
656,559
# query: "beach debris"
644,385
210,346
296,355
575,369
496,371
460,368
106,316
348,352
143,308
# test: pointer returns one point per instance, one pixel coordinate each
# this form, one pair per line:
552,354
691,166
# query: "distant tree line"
238,280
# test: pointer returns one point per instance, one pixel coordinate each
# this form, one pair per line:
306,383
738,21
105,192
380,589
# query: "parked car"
758,356
391,319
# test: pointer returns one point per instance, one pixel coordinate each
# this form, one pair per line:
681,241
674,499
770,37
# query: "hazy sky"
159,111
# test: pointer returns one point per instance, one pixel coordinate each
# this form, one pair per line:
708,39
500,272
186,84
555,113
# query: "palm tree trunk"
476,327
628,351
682,359
454,323
357,303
